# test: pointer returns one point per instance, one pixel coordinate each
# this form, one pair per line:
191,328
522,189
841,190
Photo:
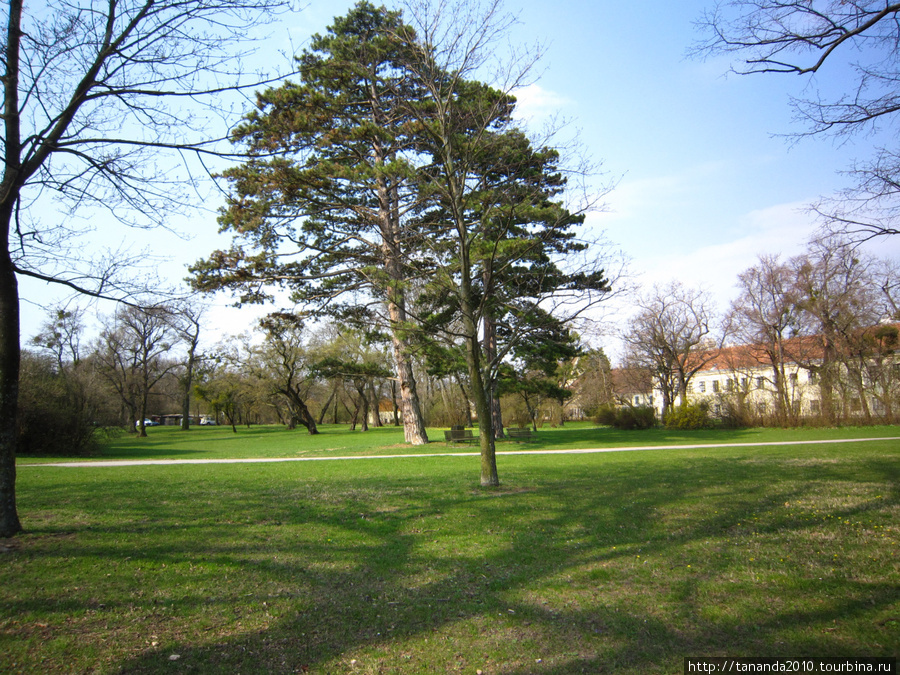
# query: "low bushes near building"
627,417
689,416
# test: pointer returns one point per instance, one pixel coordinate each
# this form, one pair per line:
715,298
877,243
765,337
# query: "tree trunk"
324,412
376,404
480,390
413,421
10,354
465,397
364,404
410,407
186,395
304,416
394,403
9,392
826,383
490,353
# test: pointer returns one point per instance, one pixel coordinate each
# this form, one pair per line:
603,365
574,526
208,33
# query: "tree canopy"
390,186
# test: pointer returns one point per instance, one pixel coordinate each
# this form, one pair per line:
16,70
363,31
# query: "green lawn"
337,440
614,563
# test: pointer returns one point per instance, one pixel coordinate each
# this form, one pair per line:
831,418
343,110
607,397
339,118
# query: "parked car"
147,423
207,422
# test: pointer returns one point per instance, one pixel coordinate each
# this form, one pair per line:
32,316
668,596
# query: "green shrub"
53,419
689,416
606,415
734,413
628,417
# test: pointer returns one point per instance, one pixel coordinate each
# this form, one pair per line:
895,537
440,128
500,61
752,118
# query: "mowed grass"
337,440
620,562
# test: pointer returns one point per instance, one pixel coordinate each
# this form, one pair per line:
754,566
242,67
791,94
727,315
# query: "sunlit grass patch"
624,563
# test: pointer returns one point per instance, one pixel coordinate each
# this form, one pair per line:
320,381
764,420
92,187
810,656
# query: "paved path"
151,462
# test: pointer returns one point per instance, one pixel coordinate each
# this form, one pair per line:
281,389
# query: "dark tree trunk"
490,354
324,412
480,390
9,287
9,393
186,393
300,411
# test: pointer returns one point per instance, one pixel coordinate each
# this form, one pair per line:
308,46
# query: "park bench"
523,435
460,435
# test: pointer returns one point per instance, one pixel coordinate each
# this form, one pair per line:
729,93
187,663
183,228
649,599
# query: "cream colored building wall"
758,384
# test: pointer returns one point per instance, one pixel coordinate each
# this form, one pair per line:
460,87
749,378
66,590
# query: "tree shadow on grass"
360,575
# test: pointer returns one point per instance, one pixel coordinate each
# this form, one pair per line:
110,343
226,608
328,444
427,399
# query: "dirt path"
151,462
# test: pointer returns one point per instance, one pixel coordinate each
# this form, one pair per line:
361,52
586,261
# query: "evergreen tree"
322,204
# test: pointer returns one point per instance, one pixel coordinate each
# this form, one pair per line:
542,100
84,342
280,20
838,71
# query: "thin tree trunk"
490,353
364,403
186,395
394,403
465,398
480,388
303,415
376,403
324,412
10,354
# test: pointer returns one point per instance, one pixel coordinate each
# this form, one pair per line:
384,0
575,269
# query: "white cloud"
779,229
533,103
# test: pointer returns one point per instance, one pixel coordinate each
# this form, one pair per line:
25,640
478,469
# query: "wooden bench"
460,436
520,435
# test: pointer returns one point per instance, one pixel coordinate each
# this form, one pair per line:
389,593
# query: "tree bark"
326,404
301,412
9,392
413,421
479,383
10,354
490,353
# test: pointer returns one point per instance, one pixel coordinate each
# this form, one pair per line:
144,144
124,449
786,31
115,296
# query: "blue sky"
704,185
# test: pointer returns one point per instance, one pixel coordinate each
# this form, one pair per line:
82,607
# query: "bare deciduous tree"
764,317
672,336
95,93
855,36
837,299
132,353
186,319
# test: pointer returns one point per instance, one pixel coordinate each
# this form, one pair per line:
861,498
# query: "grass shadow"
618,564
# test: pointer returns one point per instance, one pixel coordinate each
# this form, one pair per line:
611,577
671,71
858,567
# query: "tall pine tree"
322,204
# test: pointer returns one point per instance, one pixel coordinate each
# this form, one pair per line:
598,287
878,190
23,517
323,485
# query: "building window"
745,383
715,385
702,387
793,379
637,400
812,377
729,384
814,406
760,382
